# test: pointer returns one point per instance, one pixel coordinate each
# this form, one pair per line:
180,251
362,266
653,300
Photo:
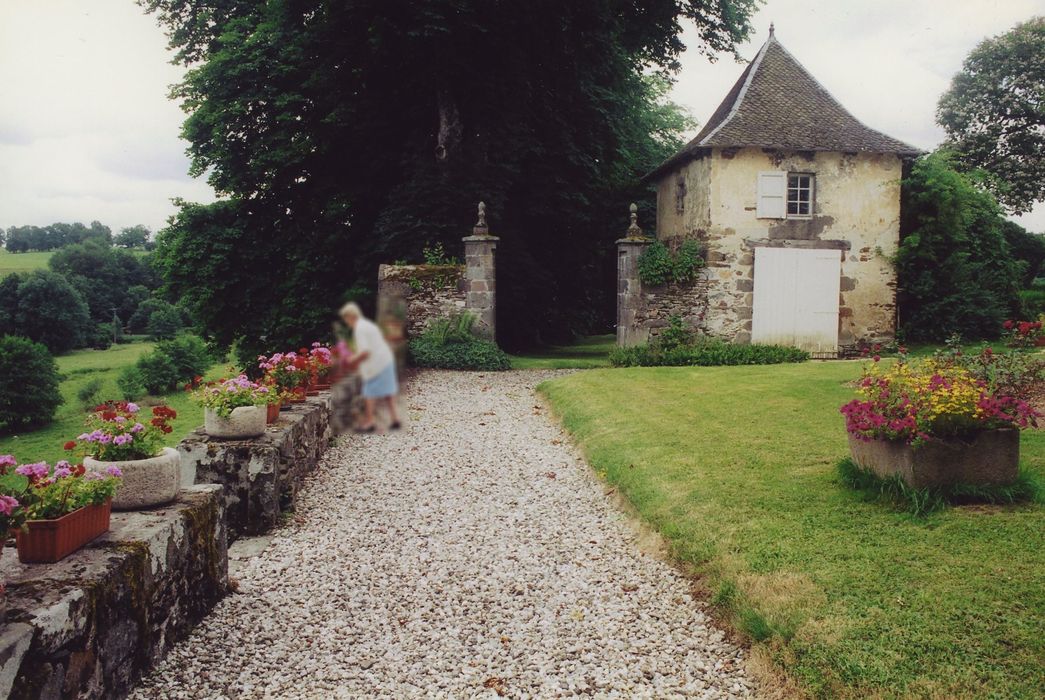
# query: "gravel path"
473,555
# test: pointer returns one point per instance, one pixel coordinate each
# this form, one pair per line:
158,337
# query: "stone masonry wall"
418,294
88,626
260,477
659,304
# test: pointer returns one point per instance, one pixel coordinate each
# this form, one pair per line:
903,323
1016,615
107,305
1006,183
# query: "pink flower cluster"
864,419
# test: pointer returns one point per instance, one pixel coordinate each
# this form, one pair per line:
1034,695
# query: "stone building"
798,205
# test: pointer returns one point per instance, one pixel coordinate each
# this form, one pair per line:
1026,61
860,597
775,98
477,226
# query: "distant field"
22,262
79,368
587,353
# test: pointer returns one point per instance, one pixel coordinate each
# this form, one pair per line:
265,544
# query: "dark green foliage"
29,380
131,383
658,265
923,502
1033,299
1027,248
158,372
706,352
448,343
164,323
133,237
20,239
99,336
87,395
344,135
45,308
104,276
171,363
994,114
955,269
677,334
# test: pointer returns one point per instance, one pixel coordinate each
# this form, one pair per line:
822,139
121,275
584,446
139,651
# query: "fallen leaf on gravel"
495,684
234,584
556,442
505,640
629,587
550,475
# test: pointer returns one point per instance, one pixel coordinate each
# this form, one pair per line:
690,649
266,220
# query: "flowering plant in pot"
288,371
234,407
321,365
934,421
63,508
119,434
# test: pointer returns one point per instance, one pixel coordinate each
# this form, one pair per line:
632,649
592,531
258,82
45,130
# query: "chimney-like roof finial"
771,29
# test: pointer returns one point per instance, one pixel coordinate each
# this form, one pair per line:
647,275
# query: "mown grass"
22,262
736,467
78,369
587,353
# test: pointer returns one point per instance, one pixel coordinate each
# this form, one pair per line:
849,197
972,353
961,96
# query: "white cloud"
86,128
886,61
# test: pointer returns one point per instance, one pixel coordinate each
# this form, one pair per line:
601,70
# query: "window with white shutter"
772,195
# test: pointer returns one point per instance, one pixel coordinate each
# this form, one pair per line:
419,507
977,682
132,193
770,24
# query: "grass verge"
22,262
587,353
737,468
78,369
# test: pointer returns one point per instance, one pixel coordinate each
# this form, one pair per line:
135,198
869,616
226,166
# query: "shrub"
675,335
658,265
48,310
132,383
188,354
158,372
87,395
706,352
99,336
29,381
448,343
164,323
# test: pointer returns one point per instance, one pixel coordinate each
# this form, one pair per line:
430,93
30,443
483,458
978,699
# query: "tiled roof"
777,104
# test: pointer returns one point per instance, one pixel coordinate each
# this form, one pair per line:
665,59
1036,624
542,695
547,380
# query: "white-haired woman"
376,365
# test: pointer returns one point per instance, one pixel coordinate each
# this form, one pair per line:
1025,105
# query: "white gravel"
472,555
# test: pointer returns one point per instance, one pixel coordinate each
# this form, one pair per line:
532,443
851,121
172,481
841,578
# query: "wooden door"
796,298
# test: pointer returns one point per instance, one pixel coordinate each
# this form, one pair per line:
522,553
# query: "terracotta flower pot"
48,541
298,394
243,422
146,482
272,413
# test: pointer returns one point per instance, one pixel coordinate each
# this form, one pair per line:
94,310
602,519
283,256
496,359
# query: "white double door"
796,298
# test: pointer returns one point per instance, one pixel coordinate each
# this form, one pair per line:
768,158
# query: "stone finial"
771,29
480,228
633,230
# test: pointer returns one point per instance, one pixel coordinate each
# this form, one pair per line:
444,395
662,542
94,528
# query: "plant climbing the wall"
659,265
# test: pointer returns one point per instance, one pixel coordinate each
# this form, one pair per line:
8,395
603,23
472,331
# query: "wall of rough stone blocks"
415,295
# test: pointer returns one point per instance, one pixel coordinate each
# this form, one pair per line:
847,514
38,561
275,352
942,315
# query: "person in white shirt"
376,365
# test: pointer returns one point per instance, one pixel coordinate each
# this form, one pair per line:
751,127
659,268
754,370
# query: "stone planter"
243,422
146,482
988,458
48,541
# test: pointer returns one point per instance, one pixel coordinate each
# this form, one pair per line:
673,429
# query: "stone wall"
88,626
415,295
260,477
856,211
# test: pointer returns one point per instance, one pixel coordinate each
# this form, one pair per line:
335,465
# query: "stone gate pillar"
629,286
481,277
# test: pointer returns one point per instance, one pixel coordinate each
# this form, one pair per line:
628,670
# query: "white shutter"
772,195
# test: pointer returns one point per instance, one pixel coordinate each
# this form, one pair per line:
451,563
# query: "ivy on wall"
658,265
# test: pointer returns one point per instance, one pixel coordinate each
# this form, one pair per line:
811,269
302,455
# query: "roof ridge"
755,63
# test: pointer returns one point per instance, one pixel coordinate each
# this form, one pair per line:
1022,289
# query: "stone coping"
260,476
89,625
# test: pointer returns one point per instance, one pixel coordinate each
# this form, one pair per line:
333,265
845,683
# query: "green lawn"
587,353
79,368
735,466
22,262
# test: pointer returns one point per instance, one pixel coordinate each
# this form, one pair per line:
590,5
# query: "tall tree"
344,134
994,114
133,237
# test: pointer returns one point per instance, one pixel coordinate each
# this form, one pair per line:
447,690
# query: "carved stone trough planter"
146,482
244,422
988,458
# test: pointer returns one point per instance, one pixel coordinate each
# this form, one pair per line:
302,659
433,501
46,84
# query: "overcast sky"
87,131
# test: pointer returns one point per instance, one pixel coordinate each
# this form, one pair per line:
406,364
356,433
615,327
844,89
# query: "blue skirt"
384,384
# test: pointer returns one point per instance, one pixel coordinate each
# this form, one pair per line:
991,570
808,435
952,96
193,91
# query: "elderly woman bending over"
376,365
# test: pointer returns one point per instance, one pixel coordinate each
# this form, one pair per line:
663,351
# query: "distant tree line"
24,239
91,293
